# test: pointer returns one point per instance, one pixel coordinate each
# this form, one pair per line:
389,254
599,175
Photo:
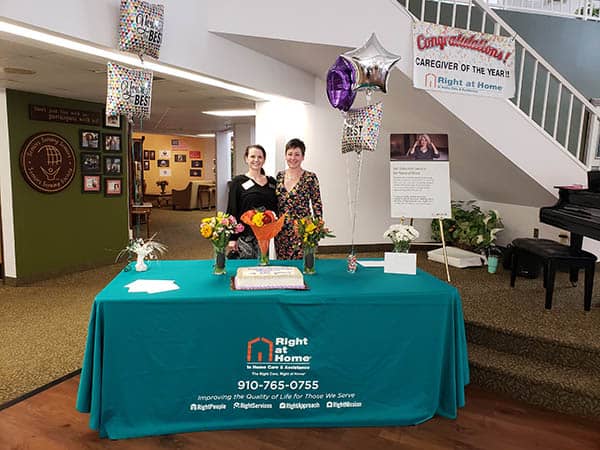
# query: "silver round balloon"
373,64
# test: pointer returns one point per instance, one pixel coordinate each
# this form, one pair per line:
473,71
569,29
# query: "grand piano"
577,211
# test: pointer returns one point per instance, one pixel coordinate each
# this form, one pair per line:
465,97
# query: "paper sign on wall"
419,176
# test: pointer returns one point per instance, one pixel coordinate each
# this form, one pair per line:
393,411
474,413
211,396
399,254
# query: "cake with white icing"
268,277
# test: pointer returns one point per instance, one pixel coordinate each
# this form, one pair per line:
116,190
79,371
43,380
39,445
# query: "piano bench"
552,255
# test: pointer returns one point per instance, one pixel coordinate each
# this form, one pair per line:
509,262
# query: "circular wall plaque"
47,162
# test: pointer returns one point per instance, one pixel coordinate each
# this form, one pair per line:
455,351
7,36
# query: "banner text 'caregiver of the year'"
451,59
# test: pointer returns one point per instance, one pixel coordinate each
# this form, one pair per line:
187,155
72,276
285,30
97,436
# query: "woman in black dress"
250,191
424,149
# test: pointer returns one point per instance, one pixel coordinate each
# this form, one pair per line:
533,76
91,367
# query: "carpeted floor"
43,327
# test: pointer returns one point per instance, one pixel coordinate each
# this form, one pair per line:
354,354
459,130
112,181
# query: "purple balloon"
340,79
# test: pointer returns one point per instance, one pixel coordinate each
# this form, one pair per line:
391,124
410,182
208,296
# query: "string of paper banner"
129,91
365,69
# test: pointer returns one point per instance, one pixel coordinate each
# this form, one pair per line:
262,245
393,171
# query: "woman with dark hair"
250,191
298,195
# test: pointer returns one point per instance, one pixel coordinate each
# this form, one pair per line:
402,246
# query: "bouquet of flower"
265,226
401,236
311,230
142,249
220,228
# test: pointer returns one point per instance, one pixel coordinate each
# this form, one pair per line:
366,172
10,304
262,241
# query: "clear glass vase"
401,246
219,267
309,260
263,255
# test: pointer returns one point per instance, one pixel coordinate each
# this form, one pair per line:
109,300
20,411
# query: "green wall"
69,230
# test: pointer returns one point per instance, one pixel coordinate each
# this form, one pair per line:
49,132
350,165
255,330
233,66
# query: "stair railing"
581,9
542,94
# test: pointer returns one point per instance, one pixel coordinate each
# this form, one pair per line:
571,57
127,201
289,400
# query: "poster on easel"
419,176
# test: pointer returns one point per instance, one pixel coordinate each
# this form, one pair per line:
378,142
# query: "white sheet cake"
268,277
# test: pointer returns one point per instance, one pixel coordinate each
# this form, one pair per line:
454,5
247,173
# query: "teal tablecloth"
359,349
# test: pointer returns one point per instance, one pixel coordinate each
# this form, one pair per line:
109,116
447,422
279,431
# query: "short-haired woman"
298,196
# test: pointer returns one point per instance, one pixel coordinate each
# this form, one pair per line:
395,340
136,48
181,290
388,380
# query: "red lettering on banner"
460,40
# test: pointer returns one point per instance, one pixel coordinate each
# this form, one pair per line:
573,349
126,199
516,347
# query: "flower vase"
219,267
140,265
401,246
263,257
309,260
351,262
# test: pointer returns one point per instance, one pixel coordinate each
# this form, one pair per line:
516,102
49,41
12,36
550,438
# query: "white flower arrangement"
143,249
401,236
400,232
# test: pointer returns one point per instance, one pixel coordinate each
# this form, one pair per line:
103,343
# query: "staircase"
549,374
543,97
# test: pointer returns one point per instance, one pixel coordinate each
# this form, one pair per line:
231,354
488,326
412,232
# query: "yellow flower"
257,219
310,228
206,230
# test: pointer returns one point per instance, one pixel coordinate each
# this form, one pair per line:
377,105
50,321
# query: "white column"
276,123
223,157
6,196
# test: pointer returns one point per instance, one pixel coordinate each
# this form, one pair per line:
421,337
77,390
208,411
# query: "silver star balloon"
373,64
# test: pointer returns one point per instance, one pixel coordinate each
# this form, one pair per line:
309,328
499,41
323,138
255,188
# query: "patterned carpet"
43,327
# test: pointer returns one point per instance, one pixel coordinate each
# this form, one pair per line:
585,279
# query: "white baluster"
533,86
545,100
520,76
569,121
557,109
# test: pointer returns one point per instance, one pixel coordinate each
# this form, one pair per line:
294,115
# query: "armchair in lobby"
185,198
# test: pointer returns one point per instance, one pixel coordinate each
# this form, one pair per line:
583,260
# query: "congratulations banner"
456,60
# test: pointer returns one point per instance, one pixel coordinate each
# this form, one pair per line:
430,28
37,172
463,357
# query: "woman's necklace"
292,176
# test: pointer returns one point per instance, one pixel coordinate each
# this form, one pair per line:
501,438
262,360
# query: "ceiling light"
205,135
124,58
231,112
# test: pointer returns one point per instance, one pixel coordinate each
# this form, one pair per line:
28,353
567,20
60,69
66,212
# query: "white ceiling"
315,59
177,104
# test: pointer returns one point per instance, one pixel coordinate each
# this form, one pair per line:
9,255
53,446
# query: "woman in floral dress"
298,196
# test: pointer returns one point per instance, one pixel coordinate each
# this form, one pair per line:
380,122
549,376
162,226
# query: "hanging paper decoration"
361,128
373,64
129,91
141,29
340,78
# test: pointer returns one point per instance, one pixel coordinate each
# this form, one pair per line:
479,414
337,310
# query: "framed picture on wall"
195,172
197,164
112,165
162,162
151,155
146,154
112,187
90,183
89,139
146,165
90,163
112,121
112,142
180,157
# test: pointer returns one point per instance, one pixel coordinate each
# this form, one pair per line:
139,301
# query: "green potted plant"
470,227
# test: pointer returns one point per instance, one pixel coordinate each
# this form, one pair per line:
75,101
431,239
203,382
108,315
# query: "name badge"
248,184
